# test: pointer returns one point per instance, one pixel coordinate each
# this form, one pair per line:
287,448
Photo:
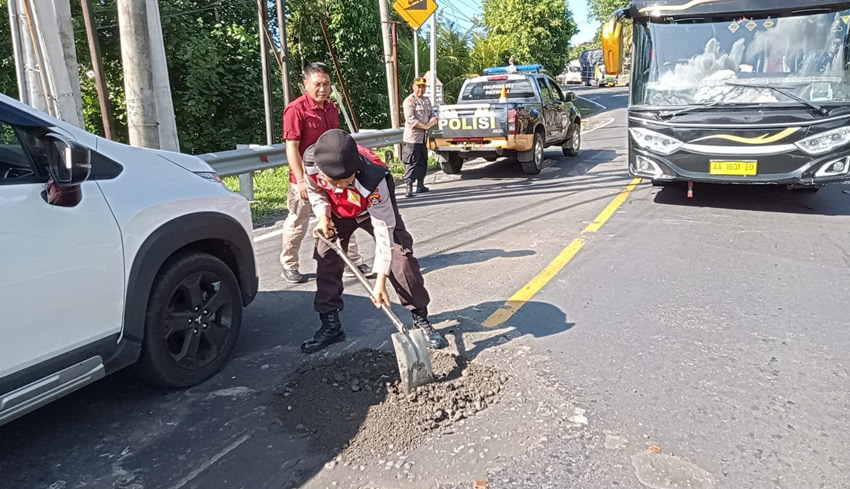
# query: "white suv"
112,255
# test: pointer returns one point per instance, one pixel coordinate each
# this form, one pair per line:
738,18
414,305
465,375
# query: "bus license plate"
738,168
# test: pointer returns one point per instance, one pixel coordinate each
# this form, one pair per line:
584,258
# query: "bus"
737,91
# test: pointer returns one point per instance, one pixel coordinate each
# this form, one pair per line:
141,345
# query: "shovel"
411,347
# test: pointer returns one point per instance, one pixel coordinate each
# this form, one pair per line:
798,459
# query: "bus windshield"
737,61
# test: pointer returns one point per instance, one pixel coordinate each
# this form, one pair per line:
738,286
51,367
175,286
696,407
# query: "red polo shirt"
304,121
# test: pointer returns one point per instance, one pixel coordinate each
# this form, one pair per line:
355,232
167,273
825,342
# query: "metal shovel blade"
414,361
411,346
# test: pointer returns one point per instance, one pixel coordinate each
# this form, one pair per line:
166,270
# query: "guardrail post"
246,180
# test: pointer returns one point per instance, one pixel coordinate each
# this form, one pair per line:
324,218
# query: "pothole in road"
353,404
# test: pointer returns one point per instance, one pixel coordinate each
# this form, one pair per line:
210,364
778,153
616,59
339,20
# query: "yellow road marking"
513,305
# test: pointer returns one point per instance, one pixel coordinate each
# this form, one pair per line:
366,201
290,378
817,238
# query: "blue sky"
462,12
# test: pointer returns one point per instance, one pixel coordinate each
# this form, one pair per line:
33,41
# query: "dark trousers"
415,158
405,274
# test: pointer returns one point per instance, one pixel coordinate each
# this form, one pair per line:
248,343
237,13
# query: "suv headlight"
655,142
825,141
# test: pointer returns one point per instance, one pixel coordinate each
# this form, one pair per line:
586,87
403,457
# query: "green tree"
536,31
602,9
8,79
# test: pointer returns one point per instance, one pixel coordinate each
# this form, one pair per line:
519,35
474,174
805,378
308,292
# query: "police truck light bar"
506,69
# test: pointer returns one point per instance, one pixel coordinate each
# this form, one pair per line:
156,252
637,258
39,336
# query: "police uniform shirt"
416,109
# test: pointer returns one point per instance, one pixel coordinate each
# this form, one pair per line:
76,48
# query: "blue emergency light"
519,69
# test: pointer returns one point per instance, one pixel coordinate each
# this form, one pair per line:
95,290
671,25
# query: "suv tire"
573,145
534,166
192,322
450,163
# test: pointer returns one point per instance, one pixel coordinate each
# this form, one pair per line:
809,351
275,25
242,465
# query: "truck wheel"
450,163
574,144
192,322
534,166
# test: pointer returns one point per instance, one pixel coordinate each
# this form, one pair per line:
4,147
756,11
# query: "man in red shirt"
304,120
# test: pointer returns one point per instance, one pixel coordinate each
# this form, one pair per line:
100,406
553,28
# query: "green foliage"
8,79
214,65
536,31
602,9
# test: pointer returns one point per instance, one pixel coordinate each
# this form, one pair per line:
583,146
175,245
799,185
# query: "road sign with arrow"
415,12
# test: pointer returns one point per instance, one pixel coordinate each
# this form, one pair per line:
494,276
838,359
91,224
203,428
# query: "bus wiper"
817,108
669,115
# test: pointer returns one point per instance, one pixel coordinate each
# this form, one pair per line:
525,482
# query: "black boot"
409,190
421,188
436,340
329,333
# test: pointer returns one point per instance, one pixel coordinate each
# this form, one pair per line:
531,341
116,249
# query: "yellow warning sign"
846,19
415,12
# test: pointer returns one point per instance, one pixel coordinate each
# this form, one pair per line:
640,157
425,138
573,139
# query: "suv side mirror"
570,96
68,163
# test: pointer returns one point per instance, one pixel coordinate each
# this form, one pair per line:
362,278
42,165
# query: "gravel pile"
354,405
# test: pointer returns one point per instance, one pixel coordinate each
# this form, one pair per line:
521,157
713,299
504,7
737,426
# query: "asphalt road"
689,343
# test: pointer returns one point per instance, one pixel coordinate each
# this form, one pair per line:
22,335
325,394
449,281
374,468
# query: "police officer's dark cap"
335,154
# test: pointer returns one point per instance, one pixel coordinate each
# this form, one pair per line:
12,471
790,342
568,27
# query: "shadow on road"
432,263
535,319
226,432
828,201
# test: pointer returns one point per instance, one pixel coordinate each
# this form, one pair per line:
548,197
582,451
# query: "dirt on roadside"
353,405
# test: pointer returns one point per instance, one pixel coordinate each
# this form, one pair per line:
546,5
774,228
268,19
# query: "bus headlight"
825,141
655,142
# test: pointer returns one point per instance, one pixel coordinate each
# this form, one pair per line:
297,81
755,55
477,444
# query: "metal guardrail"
247,160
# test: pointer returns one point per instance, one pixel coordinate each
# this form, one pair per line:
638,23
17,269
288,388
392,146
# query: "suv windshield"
711,62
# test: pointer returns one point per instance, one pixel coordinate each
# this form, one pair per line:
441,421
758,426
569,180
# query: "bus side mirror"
612,45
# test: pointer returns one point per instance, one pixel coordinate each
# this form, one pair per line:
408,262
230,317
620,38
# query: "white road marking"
266,236
600,126
204,466
594,103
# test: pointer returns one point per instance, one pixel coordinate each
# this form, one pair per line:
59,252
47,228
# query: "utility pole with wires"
284,51
264,63
166,120
416,53
97,68
53,41
388,62
138,73
433,80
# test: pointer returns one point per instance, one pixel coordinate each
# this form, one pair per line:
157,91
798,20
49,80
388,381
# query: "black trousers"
415,158
405,274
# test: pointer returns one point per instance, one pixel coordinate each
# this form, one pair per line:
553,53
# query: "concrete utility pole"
35,82
52,20
434,59
416,53
284,51
138,73
97,67
17,51
264,62
161,86
388,62
69,46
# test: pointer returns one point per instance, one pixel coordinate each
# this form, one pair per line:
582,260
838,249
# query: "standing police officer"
418,118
